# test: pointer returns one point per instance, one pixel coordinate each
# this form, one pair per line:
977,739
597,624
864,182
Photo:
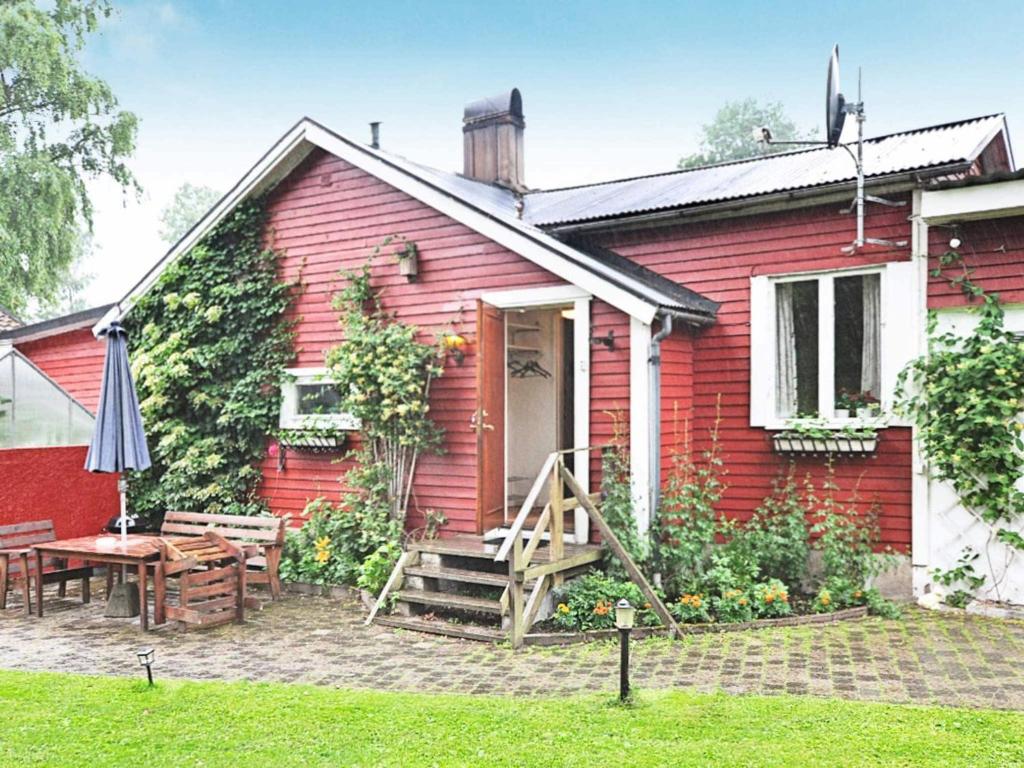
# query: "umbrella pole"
122,488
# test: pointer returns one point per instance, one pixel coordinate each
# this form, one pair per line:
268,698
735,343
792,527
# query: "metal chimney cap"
509,103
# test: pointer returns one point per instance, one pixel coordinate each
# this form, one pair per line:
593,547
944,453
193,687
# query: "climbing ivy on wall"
209,344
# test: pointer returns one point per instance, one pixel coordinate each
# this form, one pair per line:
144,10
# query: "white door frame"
562,296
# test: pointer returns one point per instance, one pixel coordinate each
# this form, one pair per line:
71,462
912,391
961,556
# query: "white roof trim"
529,242
975,201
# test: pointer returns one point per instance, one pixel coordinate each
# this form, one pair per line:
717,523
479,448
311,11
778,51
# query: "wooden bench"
263,538
17,562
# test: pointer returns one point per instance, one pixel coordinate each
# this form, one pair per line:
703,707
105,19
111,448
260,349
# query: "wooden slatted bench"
263,538
16,562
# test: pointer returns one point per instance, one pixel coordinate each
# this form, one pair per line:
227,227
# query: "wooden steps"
459,574
446,628
450,601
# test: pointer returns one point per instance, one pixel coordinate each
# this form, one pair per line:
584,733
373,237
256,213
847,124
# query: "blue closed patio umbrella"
118,441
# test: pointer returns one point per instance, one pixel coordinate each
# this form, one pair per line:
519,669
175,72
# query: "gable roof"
485,210
55,325
946,148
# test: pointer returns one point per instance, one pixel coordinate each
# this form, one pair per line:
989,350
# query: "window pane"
796,348
35,412
319,398
857,341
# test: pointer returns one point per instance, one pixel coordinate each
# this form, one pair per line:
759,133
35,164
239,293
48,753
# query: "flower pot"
843,413
864,413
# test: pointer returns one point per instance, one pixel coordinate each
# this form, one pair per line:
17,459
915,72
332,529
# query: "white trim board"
529,242
978,201
641,413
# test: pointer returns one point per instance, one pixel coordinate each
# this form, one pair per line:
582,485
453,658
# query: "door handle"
477,423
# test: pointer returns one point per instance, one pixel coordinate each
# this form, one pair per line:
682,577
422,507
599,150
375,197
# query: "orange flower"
769,597
784,597
742,601
601,609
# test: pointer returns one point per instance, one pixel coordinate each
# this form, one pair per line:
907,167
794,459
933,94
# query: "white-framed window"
829,344
311,401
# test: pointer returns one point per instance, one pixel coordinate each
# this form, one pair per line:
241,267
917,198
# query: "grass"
64,720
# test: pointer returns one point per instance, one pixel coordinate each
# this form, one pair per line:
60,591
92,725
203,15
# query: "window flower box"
836,443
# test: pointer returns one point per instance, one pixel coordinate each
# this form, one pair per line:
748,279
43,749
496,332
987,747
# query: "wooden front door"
489,418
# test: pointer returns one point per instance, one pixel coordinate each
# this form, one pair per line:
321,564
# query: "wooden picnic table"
137,550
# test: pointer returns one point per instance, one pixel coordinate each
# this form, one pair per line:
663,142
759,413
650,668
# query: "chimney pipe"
492,140
375,135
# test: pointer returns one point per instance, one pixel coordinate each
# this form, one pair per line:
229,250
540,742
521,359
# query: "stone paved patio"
941,658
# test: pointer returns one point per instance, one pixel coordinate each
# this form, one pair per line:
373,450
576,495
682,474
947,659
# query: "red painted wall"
328,216
51,484
74,360
992,249
717,258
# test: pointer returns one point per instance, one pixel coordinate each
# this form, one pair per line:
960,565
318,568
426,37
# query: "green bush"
732,606
617,504
691,609
589,603
771,600
335,543
377,567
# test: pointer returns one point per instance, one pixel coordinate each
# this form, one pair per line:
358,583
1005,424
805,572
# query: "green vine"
965,396
209,346
383,373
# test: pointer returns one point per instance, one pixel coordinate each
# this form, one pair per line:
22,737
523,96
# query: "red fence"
50,484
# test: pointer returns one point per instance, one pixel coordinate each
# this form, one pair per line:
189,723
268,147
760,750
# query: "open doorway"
533,398
539,397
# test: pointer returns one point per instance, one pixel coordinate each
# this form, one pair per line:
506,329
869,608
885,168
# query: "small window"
310,401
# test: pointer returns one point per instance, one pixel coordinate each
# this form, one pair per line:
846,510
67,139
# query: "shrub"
333,545
376,568
686,522
691,609
589,603
733,605
777,535
617,501
771,600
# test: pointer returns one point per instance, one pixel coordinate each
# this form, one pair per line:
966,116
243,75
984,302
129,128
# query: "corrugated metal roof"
932,147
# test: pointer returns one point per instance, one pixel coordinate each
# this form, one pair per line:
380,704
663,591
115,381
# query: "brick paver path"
927,657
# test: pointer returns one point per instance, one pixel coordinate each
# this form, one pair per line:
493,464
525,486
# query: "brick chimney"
492,136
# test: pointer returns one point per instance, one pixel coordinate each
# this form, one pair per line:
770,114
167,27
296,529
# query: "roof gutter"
896,182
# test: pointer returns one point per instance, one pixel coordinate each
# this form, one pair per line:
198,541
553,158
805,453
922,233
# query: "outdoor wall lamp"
608,340
146,656
624,617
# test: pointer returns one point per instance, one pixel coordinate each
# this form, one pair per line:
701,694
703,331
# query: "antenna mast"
835,121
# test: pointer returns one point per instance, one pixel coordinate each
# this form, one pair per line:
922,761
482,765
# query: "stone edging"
570,638
338,592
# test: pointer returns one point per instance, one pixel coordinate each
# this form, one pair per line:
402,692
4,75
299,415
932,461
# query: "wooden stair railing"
522,609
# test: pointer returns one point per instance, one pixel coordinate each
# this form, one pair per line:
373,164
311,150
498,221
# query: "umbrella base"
123,602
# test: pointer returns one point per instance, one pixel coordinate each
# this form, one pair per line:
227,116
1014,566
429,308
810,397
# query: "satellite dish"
835,114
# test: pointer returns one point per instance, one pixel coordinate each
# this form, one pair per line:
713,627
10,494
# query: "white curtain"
785,351
870,366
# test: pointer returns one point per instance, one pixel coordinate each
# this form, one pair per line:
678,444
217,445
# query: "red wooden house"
667,299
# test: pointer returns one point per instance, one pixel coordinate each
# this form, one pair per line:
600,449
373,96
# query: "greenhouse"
34,411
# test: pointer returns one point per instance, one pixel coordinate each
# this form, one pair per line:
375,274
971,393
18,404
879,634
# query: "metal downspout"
655,399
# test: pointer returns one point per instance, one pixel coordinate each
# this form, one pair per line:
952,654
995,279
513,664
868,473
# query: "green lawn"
63,720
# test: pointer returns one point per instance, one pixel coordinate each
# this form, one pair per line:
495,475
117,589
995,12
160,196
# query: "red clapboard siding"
74,360
992,249
326,218
717,258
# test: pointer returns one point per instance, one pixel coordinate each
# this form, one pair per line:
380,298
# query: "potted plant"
846,406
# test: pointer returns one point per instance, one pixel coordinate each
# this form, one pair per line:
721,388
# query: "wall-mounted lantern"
608,340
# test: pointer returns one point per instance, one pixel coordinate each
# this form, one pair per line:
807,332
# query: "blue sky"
609,89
